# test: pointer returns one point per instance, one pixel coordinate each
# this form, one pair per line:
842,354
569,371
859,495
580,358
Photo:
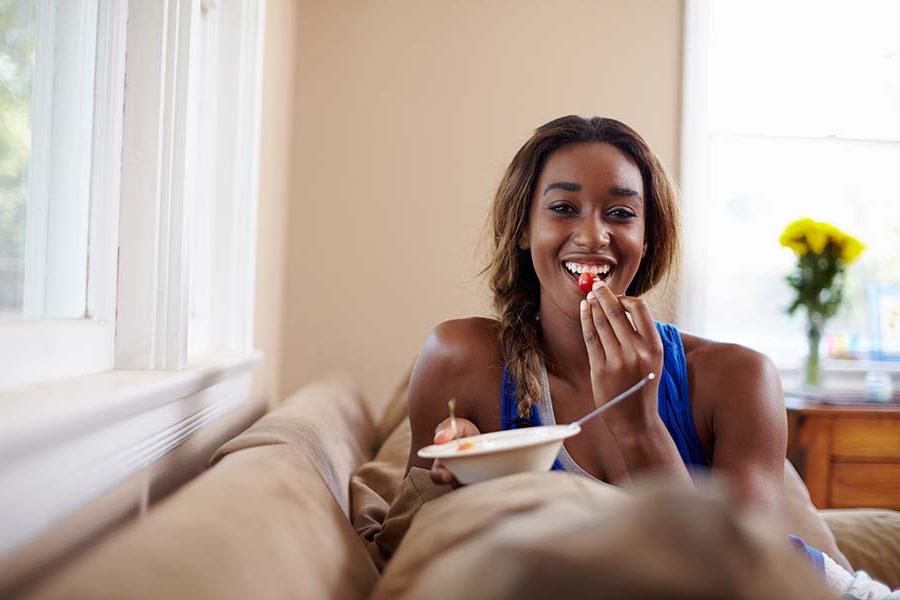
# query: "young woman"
589,194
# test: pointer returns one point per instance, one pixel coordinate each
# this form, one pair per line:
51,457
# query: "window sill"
66,442
842,375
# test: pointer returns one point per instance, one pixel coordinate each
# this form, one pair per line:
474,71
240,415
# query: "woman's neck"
563,344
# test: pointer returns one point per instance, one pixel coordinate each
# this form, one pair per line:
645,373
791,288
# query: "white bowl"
502,453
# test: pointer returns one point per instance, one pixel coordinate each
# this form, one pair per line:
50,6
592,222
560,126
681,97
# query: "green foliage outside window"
17,46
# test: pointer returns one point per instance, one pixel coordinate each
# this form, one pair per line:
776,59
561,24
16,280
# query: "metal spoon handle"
451,406
650,377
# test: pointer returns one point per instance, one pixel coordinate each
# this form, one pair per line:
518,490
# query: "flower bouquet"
823,254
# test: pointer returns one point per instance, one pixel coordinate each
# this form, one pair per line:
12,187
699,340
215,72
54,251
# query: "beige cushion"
327,422
260,524
375,484
269,520
543,535
394,412
416,489
871,540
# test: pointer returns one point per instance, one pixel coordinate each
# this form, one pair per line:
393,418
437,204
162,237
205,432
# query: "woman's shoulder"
721,356
460,344
717,369
462,358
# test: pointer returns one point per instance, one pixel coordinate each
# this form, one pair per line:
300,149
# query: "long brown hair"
512,278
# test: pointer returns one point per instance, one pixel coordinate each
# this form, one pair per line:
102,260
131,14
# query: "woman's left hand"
620,354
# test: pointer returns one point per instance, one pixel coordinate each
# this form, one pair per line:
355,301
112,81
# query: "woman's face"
587,213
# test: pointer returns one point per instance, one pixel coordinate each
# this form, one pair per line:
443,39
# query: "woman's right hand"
440,474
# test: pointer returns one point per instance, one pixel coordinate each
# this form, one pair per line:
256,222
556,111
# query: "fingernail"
591,296
598,283
583,304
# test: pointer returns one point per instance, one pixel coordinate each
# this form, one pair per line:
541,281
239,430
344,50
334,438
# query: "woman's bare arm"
749,423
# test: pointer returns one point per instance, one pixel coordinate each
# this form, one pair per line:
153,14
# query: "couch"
312,501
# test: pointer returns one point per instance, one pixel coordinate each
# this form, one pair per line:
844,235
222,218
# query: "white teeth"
578,268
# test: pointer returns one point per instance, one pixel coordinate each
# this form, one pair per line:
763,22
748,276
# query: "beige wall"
276,150
406,114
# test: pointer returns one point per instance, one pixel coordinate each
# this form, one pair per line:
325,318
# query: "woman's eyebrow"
624,191
563,185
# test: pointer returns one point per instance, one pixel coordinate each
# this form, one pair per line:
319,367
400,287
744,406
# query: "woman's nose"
592,234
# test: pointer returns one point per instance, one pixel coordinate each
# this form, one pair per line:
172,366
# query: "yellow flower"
806,235
832,233
798,247
851,249
794,236
817,237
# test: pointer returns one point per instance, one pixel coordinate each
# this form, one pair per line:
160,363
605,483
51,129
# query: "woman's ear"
524,243
644,251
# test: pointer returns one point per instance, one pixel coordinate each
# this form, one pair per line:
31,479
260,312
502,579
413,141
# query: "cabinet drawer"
865,485
866,438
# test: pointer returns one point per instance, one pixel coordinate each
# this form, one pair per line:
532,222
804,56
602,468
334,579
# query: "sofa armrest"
327,422
870,539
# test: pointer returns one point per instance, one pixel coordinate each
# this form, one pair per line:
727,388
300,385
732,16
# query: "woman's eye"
562,209
622,213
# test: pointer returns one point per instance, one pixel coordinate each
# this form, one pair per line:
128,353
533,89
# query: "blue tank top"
674,405
674,402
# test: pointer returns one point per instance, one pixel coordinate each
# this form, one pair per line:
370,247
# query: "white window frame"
153,275
225,194
153,289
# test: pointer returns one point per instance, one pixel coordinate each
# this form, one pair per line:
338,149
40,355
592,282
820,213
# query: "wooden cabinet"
849,456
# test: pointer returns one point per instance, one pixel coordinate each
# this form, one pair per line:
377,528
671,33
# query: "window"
59,161
48,97
106,189
805,124
127,214
16,74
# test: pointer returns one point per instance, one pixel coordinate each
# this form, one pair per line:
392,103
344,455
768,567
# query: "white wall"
406,113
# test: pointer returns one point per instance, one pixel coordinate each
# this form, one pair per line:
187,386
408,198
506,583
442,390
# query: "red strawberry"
586,281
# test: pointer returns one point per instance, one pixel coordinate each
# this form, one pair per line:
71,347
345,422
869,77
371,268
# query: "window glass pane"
46,129
805,68
758,186
18,29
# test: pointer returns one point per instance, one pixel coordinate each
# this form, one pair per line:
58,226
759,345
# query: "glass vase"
812,368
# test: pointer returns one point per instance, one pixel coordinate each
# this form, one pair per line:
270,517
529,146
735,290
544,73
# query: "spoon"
451,406
575,425
648,378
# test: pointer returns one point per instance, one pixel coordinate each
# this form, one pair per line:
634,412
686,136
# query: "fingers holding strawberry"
621,351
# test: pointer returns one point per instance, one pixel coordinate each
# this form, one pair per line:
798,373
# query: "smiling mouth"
574,269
